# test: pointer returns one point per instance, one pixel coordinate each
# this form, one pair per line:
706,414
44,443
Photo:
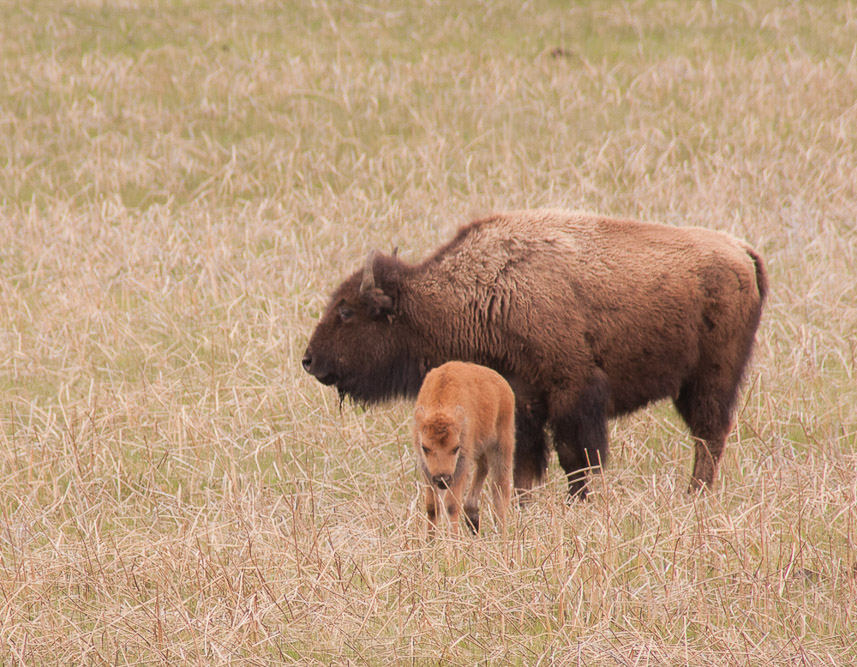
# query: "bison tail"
761,273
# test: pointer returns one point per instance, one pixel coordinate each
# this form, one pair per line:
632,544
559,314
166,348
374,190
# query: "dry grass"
183,183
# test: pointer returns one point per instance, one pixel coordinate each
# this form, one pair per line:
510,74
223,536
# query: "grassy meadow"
182,184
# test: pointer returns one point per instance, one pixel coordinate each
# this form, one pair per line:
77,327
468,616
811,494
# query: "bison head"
361,346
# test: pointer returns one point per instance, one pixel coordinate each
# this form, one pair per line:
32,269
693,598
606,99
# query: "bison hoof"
577,490
573,498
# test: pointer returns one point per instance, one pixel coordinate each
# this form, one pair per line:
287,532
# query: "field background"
183,183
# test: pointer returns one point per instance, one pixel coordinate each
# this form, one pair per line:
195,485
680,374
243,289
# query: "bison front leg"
531,448
581,438
576,460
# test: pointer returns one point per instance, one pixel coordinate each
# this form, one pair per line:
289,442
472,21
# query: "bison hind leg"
707,406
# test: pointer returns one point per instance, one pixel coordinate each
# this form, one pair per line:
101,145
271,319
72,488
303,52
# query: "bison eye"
455,451
345,313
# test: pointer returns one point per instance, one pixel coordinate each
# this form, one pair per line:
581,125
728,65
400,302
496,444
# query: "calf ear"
419,414
378,301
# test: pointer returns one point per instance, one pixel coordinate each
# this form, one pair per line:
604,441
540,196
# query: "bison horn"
368,283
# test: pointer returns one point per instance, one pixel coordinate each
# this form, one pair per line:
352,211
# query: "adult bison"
587,317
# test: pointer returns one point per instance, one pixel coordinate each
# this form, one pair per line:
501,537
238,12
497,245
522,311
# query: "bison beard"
586,317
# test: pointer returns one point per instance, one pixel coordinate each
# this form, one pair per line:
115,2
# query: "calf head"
439,438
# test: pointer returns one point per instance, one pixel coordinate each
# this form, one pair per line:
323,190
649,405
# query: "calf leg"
431,509
455,493
471,503
501,495
501,479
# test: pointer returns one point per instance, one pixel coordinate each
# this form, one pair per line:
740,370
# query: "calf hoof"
473,522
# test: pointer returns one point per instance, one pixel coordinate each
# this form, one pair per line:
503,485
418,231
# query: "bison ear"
380,302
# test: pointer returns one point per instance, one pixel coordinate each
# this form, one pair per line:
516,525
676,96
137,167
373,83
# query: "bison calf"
464,430
586,316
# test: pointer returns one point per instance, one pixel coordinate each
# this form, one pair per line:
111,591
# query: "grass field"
183,183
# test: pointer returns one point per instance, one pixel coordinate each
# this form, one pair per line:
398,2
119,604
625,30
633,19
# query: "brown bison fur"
464,429
587,317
